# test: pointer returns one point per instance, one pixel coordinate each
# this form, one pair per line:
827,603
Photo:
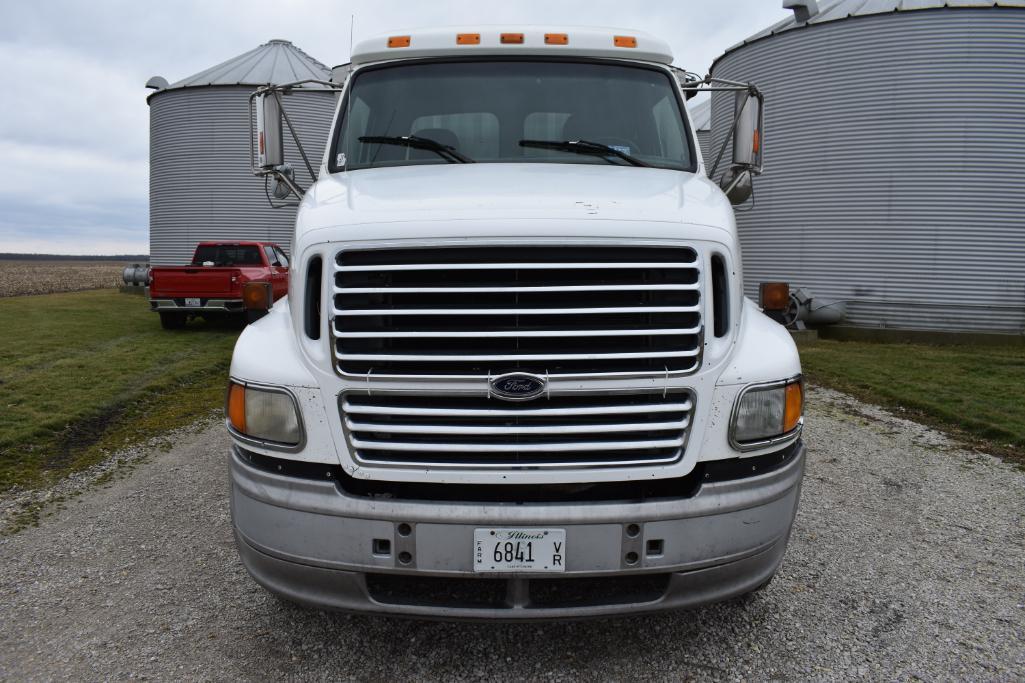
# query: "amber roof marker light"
467,39
624,41
511,38
556,39
399,41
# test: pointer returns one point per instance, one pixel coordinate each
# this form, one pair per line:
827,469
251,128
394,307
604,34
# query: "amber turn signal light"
774,296
257,296
236,407
794,406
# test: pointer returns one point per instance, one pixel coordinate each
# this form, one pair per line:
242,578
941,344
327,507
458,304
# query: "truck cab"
515,375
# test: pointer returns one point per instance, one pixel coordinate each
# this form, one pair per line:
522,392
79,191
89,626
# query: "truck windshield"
227,255
483,111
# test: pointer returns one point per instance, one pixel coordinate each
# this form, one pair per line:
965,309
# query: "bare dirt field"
18,277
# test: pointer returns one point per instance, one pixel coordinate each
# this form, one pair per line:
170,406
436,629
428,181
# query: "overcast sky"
74,122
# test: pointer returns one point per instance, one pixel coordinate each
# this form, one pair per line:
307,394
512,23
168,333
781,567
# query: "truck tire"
172,321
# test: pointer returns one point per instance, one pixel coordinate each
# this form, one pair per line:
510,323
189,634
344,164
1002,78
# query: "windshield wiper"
446,152
584,147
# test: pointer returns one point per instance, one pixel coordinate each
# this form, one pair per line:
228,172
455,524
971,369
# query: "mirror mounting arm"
691,84
295,135
276,167
285,176
745,131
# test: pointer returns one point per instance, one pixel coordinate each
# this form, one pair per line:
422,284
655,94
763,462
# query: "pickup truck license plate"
193,302
519,550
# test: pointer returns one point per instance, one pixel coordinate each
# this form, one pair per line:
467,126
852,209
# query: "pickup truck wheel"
172,321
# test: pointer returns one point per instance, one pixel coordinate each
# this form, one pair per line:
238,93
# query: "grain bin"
701,118
200,182
895,159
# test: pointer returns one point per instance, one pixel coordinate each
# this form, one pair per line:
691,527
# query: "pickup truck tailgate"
195,281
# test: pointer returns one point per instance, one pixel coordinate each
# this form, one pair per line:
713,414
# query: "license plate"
519,550
193,302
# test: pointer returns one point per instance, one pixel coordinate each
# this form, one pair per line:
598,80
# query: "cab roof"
513,40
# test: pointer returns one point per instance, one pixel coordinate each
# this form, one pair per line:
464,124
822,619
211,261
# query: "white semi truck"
515,375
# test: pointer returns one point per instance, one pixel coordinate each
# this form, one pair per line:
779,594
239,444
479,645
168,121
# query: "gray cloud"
74,125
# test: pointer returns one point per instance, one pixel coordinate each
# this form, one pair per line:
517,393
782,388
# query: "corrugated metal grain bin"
200,184
894,159
701,116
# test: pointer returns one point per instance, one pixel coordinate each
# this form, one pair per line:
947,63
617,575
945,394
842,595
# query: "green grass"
85,373
972,392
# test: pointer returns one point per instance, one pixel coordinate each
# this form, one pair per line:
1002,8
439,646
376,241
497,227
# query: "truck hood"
486,192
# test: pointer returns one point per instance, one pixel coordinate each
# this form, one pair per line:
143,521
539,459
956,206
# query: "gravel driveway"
907,561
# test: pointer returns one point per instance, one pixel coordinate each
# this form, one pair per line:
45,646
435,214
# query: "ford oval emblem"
517,386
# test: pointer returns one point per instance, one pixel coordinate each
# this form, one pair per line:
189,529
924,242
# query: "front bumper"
312,543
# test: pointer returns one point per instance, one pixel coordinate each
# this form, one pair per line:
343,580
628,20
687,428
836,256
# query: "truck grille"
476,431
485,311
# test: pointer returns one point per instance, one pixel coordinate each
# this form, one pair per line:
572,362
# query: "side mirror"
268,131
747,135
737,184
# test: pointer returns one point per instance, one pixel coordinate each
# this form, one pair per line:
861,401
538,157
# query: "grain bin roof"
701,114
276,61
842,9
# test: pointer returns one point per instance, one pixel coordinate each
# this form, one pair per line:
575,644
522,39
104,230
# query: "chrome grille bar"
510,266
534,429
611,408
562,446
516,311
517,356
592,430
567,288
476,311
473,334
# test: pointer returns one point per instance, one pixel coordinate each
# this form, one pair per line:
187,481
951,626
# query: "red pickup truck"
212,284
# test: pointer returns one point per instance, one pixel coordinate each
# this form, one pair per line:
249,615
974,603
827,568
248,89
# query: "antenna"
352,24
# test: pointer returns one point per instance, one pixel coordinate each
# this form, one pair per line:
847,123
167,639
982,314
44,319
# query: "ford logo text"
517,386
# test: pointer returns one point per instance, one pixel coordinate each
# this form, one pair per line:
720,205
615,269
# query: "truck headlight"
264,414
766,412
